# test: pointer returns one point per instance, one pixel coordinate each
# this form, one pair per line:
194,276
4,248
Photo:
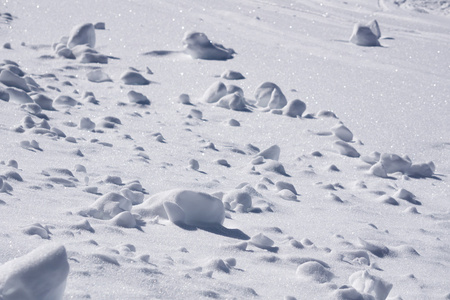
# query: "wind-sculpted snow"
198,46
40,274
304,167
183,207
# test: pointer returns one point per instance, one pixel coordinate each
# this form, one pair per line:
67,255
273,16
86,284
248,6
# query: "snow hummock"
268,94
83,34
366,34
40,274
198,46
183,207
368,284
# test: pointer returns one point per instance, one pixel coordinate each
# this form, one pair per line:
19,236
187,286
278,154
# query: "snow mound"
133,78
198,46
83,34
366,34
273,152
372,285
342,132
234,101
80,44
10,79
184,207
375,248
18,96
378,170
394,163
312,270
43,101
124,219
268,94
294,108
283,185
65,101
138,98
421,170
262,241
345,149
232,75
107,206
215,91
238,200
406,195
98,76
40,274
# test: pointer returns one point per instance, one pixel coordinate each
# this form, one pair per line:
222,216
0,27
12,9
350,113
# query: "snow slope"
162,183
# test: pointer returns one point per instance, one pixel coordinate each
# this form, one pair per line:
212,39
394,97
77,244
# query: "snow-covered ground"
224,149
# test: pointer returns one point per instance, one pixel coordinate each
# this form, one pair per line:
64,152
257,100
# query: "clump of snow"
18,96
368,284
37,229
260,240
124,219
10,79
268,94
394,163
232,75
406,195
234,123
65,101
366,34
184,99
378,170
138,98
273,152
184,206
193,164
134,78
283,185
375,248
315,271
98,76
346,149
234,101
80,44
86,124
294,108
421,170
215,91
83,34
198,46
107,206
342,132
40,274
237,199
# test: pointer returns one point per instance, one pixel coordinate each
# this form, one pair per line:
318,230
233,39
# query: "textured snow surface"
224,149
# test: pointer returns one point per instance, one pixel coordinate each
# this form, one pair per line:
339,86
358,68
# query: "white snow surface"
122,176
